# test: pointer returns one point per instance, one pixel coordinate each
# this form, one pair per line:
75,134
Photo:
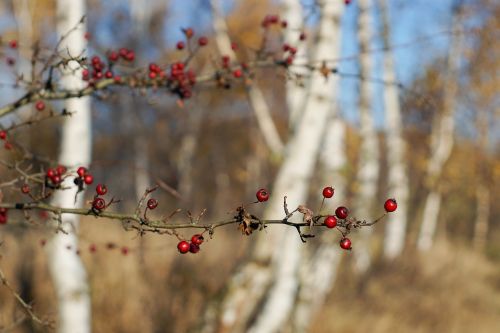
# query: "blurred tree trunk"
297,85
318,269
442,139
368,164
264,290
66,268
255,96
398,183
483,181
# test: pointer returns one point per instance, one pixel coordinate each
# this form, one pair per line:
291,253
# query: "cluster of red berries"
3,136
100,70
84,176
342,213
155,71
99,204
193,246
3,215
270,20
181,80
53,176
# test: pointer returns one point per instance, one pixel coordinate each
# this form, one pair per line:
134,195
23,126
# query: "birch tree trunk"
255,96
276,258
368,167
68,273
398,183
297,87
441,140
318,270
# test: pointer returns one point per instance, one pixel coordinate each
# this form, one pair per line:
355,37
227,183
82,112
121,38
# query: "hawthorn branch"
26,307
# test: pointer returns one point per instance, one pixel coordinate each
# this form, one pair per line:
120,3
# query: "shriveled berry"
193,248
330,221
88,179
262,195
390,205
101,189
152,203
197,239
345,243
183,247
342,212
98,204
328,192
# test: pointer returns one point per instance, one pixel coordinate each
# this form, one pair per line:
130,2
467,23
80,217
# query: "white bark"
66,268
368,167
293,179
398,184
319,269
296,91
255,96
441,141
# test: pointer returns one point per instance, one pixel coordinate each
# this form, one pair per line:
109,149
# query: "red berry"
3,135
10,61
342,212
347,2
25,188
237,73
101,189
98,204
390,205
3,211
82,171
193,248
40,105
152,75
92,248
87,36
328,192
108,74
3,219
43,242
7,145
13,44
60,170
130,56
202,41
345,243
180,45
302,36
284,24
330,221
183,247
197,239
124,250
152,203
262,195
234,46
51,173
113,56
56,179
88,179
